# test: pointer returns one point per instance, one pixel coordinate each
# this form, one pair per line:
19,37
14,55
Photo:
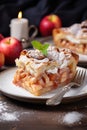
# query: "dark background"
70,11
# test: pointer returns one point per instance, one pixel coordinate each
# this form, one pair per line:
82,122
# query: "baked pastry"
73,37
39,74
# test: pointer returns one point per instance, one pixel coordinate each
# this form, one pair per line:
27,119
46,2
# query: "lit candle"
19,27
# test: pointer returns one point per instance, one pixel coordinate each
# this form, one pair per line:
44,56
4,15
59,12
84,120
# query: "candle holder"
20,29
26,43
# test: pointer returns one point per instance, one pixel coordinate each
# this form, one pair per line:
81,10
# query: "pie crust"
40,74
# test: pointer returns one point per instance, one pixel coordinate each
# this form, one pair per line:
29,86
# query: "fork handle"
56,99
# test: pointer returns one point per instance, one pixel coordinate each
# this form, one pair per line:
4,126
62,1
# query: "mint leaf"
41,47
36,44
44,49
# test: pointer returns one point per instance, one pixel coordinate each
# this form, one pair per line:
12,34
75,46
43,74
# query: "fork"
78,81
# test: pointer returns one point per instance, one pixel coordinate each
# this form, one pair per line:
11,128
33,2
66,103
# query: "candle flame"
20,15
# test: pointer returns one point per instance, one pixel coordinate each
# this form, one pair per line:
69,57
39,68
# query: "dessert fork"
78,81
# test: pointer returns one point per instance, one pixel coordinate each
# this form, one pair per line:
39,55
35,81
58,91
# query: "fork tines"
80,76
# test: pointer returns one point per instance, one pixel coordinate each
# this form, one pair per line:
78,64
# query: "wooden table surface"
16,115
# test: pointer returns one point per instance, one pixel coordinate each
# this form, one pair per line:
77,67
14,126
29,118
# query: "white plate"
10,90
83,58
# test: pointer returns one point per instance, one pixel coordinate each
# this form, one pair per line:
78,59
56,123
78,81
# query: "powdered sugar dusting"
77,33
9,116
72,117
3,106
33,60
9,112
6,114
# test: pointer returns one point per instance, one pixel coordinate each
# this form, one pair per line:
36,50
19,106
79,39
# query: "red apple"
11,48
2,59
48,23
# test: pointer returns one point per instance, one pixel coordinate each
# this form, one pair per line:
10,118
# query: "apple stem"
9,40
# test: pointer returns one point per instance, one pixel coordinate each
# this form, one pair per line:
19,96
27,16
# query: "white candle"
19,27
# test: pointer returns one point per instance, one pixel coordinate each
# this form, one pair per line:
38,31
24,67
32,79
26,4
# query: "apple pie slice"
39,74
73,37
